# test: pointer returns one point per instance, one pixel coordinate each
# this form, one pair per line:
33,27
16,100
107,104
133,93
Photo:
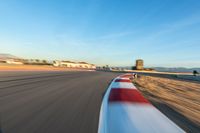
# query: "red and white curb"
125,110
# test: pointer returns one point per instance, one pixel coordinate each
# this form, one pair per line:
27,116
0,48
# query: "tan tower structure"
139,64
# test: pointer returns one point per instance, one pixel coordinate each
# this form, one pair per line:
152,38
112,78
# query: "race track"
51,102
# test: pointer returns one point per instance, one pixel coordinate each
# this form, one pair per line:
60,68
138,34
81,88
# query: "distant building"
14,61
64,63
86,65
10,59
71,64
139,64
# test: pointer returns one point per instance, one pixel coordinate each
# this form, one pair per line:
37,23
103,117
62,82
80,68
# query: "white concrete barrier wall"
189,77
125,110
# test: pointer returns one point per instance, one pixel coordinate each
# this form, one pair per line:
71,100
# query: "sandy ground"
33,68
179,100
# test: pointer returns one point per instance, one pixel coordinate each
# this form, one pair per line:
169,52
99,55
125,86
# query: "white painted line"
123,85
138,118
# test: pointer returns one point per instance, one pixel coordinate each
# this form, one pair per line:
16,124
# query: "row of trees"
36,62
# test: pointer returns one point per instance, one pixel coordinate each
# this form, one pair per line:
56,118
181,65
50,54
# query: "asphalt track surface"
51,102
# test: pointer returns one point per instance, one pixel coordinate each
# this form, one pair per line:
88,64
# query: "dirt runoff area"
179,100
34,68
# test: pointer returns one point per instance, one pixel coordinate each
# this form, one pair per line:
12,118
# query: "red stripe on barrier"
123,80
126,76
126,95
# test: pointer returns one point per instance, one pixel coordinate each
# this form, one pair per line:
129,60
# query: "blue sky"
113,32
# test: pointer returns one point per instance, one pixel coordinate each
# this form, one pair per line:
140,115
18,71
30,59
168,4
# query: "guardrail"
125,110
189,77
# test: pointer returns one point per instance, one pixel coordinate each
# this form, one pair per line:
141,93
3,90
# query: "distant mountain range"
160,69
8,56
